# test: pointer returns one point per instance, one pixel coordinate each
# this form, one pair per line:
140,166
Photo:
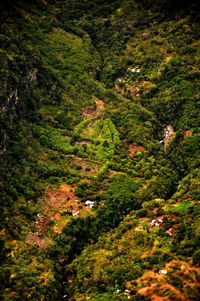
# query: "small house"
160,221
75,212
152,223
89,203
127,292
156,222
163,272
170,231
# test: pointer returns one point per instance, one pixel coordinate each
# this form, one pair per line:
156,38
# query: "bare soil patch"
87,113
112,173
83,142
34,239
54,203
69,138
188,133
99,104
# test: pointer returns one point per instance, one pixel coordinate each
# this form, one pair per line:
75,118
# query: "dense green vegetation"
89,90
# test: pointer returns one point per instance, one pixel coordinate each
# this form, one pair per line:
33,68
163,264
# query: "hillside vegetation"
99,150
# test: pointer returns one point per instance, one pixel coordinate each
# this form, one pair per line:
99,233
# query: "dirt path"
112,173
83,142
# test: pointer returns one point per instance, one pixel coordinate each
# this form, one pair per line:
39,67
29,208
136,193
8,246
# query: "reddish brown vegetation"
55,200
69,138
83,142
160,287
133,148
34,239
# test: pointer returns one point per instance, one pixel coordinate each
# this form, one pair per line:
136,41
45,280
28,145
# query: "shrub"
196,257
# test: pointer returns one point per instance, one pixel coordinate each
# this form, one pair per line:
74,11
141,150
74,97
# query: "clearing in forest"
57,204
88,113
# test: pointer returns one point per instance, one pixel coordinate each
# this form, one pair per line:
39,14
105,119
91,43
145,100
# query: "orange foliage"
160,287
133,148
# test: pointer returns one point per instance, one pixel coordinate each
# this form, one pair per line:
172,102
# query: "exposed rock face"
31,76
13,98
169,135
3,144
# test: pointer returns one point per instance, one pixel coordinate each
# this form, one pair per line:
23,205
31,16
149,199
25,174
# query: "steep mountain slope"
99,152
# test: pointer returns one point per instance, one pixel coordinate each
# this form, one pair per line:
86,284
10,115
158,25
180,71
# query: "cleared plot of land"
55,205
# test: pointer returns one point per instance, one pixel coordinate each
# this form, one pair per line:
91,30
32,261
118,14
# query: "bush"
196,257
141,213
53,180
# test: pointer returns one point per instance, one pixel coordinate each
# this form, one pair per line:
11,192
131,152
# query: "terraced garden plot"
85,167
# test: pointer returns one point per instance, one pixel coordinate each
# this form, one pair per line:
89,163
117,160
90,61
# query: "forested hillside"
99,150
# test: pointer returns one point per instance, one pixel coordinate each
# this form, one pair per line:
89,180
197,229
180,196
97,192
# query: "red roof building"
127,292
170,231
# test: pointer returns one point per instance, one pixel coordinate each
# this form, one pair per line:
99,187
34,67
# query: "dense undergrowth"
87,90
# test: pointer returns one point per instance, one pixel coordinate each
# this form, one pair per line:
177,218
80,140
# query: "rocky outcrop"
13,98
31,76
3,144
